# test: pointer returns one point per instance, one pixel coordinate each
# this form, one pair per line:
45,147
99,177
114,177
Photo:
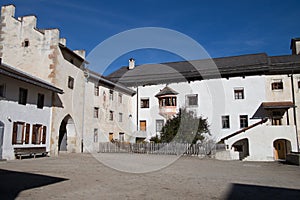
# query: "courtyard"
83,176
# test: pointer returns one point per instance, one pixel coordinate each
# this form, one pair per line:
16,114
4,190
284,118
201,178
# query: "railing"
205,148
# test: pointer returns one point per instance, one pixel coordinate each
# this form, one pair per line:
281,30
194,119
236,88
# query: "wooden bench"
30,151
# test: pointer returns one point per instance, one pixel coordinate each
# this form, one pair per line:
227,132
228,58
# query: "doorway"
242,146
281,148
65,129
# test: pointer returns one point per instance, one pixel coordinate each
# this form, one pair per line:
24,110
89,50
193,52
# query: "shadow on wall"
242,191
12,182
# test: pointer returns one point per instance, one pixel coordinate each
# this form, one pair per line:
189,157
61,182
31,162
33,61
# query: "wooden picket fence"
204,149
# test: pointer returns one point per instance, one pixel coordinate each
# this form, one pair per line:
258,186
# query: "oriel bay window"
167,101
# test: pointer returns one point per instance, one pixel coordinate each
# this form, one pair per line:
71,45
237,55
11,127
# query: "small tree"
184,127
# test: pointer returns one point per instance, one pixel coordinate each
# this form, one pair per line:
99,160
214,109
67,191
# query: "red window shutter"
14,134
27,132
44,134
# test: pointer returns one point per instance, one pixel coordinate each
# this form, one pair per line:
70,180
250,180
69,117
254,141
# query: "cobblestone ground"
81,176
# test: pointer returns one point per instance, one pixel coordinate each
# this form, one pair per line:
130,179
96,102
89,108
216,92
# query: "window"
96,90
243,121
40,101
277,85
144,102
239,94
2,90
104,96
95,135
38,134
120,98
111,115
111,136
111,95
96,112
167,101
23,96
298,84
159,125
120,117
21,133
71,82
25,43
121,137
191,100
225,122
143,125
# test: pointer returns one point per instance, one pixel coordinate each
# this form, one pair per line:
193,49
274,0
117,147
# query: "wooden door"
280,149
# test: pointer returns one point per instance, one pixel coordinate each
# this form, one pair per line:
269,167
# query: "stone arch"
242,146
67,127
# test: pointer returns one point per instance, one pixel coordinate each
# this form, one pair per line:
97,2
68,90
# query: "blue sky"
223,28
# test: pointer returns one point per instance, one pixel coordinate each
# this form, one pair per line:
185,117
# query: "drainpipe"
137,108
86,76
294,110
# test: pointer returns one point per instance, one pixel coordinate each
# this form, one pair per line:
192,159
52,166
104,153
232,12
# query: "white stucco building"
251,101
80,119
248,101
26,111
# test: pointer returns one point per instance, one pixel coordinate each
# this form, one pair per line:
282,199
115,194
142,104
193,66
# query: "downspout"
294,110
86,75
137,108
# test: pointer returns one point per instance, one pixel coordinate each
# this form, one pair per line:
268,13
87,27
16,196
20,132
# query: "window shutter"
44,134
27,132
14,135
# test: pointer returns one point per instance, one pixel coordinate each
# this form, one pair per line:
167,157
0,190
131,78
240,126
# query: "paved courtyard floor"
81,176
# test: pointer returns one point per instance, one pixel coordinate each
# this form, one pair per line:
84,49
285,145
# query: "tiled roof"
166,91
225,67
22,76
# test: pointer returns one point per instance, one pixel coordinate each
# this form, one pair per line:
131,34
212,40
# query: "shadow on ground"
243,191
12,182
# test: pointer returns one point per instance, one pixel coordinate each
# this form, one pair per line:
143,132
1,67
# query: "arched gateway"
67,127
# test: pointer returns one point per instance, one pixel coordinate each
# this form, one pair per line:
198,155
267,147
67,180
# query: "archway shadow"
244,191
12,182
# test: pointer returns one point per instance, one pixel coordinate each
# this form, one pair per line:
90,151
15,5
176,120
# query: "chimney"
295,46
131,63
